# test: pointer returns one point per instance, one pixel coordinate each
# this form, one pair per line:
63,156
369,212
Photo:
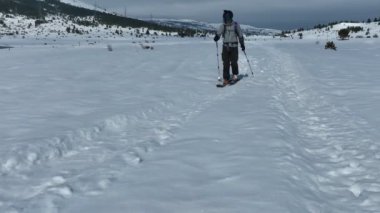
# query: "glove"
243,47
216,38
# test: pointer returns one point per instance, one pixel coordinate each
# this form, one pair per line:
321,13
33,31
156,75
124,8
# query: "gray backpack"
235,27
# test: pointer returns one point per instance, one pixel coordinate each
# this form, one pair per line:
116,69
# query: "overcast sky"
279,14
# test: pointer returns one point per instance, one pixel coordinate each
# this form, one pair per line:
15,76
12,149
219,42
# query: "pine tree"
330,45
344,33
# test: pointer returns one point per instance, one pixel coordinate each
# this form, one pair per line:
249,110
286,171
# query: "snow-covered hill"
198,25
60,27
367,30
44,18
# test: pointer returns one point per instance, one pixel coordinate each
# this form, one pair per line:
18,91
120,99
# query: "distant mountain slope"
73,8
198,25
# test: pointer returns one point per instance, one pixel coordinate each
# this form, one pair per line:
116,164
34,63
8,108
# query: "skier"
232,36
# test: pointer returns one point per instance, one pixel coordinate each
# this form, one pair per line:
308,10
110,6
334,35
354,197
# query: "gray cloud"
281,14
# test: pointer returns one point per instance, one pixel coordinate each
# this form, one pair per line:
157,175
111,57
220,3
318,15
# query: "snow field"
88,130
77,93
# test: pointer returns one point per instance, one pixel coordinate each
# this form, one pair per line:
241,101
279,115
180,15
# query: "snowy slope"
329,33
88,130
56,28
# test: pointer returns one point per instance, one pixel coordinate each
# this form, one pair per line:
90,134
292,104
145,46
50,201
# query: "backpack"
235,27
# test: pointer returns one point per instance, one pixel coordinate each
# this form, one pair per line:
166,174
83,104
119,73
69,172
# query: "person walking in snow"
232,36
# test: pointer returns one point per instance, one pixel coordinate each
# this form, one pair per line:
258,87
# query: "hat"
228,13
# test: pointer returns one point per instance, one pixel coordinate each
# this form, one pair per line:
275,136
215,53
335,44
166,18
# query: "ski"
221,85
231,82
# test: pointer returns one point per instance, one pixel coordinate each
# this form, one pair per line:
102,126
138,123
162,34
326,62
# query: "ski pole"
249,63
217,56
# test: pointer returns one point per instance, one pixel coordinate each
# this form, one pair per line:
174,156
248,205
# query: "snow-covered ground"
84,129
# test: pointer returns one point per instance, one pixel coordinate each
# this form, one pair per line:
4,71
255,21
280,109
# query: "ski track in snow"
59,167
334,153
